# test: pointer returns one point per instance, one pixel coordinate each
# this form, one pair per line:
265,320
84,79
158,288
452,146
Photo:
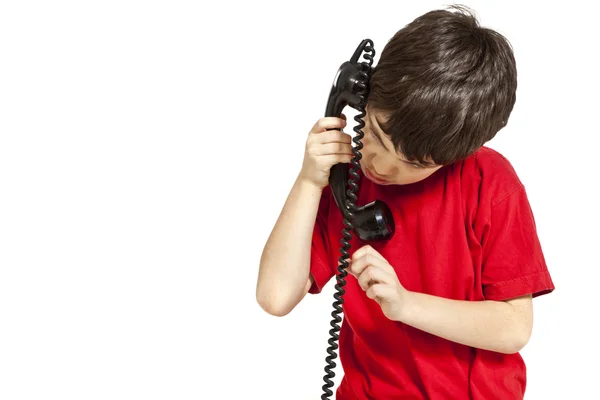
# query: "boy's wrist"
407,307
307,184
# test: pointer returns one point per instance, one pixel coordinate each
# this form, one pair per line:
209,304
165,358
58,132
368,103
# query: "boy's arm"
495,325
284,273
501,326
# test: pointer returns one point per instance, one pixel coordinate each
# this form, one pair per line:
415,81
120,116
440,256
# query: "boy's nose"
383,171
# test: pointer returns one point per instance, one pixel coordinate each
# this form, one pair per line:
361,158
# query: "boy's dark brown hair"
446,84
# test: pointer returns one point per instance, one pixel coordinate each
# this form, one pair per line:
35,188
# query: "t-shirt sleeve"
320,267
513,261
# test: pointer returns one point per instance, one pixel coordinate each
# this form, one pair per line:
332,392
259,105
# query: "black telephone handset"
371,222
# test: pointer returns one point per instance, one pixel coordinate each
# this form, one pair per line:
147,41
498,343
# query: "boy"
441,310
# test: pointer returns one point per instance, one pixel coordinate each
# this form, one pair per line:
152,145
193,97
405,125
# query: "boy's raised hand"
324,149
380,282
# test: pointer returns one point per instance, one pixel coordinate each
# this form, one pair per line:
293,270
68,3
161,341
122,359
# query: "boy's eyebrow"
378,136
381,140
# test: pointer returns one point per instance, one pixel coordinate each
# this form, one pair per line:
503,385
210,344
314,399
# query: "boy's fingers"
333,137
328,123
334,148
359,264
367,249
371,276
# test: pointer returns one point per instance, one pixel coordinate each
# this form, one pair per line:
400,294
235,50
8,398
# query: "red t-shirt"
466,232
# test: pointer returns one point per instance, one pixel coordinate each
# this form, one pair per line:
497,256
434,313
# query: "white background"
146,151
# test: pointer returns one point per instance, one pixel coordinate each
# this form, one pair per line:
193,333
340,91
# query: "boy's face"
381,163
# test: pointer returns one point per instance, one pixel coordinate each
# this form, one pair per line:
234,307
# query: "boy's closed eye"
375,135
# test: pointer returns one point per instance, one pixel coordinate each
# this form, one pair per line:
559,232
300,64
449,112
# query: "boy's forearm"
490,325
285,261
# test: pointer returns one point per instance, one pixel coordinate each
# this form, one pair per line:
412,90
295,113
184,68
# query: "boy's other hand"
324,149
380,282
